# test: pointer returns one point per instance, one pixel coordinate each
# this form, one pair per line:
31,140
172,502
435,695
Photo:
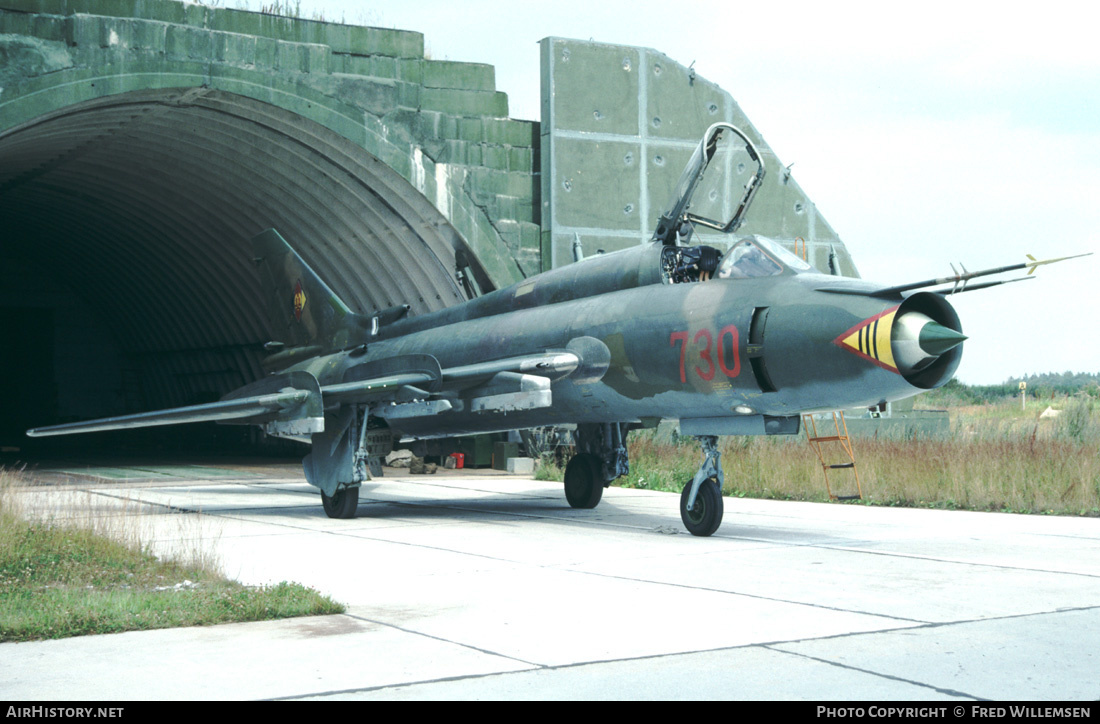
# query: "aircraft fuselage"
725,352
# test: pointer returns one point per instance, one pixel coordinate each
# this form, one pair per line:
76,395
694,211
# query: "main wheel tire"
705,517
583,486
343,504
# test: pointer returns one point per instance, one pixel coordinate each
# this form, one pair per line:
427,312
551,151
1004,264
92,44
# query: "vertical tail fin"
303,310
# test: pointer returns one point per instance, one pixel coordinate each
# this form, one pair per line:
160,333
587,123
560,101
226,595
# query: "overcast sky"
925,133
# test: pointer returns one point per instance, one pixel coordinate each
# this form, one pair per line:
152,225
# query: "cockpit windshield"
758,257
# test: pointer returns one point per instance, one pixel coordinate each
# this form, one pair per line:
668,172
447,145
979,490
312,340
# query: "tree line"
1039,386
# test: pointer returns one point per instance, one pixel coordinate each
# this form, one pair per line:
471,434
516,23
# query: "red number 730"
706,368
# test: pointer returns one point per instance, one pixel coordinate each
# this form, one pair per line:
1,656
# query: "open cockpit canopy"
716,188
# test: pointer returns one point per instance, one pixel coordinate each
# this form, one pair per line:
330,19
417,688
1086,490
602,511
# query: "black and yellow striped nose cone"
900,344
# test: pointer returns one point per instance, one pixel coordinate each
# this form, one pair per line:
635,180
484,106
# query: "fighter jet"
733,338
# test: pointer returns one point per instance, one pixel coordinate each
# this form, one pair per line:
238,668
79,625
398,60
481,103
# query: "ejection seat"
689,263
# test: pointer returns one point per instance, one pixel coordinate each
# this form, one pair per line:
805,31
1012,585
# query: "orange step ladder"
816,439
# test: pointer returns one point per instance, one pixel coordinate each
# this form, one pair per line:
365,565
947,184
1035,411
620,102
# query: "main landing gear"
583,481
701,504
346,455
342,504
601,457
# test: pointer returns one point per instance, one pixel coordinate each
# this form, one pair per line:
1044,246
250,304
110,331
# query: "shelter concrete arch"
139,155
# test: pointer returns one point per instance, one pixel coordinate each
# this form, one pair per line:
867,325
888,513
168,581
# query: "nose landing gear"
701,504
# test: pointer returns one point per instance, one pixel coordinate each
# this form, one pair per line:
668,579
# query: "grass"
59,580
998,459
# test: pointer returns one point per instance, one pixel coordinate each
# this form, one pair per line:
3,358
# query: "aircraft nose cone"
935,339
917,341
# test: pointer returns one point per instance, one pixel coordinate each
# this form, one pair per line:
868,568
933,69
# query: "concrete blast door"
126,222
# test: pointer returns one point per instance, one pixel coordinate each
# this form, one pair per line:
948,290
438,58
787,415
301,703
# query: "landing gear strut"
701,504
345,455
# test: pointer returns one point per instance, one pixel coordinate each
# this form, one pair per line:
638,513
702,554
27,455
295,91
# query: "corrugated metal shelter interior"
130,217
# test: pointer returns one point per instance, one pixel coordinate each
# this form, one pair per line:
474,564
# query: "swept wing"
293,403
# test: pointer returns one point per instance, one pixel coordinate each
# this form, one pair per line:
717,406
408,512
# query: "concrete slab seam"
769,645
233,515
914,623
848,667
169,508
381,687
936,559
531,664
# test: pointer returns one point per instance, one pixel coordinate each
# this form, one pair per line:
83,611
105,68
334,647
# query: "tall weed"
1078,421
996,459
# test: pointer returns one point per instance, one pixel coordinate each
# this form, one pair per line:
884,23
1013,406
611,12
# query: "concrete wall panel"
637,115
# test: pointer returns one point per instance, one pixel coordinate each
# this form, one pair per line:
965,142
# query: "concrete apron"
473,585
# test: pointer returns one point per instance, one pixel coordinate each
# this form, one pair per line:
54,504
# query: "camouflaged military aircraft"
740,342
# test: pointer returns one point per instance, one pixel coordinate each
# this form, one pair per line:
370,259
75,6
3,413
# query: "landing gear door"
716,187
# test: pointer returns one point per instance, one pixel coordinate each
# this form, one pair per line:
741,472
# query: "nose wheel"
705,516
701,505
